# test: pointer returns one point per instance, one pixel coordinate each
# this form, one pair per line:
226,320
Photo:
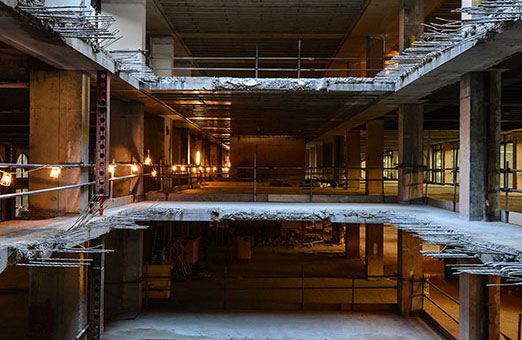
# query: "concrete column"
374,156
127,143
374,249
353,159
411,152
123,272
213,154
352,240
409,265
337,158
167,140
480,97
130,18
59,133
58,302
177,146
411,17
479,308
162,55
374,55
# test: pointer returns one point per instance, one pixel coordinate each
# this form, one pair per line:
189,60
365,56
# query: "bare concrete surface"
40,236
273,326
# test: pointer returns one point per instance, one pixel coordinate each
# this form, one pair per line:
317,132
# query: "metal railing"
256,61
425,296
299,177
227,279
8,171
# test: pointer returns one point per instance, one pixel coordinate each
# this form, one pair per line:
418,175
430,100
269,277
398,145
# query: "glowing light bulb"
134,168
55,172
214,169
198,158
154,173
194,170
6,179
174,168
112,169
208,169
200,168
182,168
225,169
148,161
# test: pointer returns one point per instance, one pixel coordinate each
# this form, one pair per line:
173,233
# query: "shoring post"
101,184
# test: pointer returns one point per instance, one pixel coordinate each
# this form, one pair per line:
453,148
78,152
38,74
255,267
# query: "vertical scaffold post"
96,294
102,137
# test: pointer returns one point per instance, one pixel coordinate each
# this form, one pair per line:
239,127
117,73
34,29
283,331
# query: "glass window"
437,165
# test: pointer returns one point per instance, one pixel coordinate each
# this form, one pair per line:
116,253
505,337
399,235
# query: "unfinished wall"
281,151
14,285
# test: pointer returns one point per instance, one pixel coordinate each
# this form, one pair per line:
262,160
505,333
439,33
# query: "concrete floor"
443,192
273,326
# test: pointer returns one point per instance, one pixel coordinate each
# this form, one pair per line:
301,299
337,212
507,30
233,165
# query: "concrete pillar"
411,17
409,262
411,152
353,159
352,241
167,140
58,302
130,18
480,97
59,133
374,156
374,249
162,55
374,55
213,155
127,143
337,156
123,272
479,308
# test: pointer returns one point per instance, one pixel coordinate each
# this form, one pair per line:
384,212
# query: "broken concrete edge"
128,218
339,84
99,59
66,237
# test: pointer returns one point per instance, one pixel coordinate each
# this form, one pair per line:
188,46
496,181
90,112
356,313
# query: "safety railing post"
519,335
255,175
506,189
299,59
302,287
225,289
257,61
311,185
454,183
353,292
382,184
411,294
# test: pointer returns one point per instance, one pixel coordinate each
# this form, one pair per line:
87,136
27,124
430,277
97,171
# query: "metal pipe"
66,165
34,192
